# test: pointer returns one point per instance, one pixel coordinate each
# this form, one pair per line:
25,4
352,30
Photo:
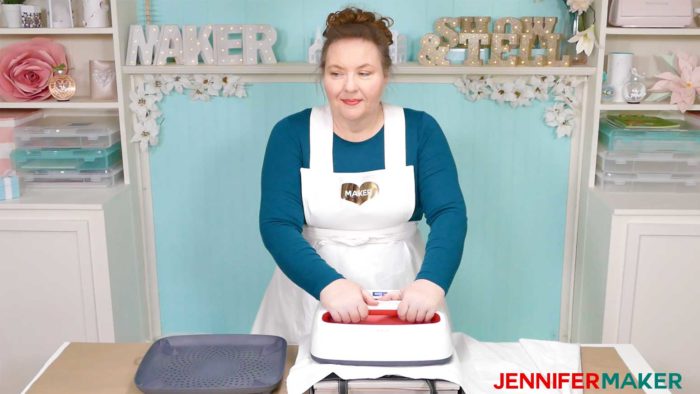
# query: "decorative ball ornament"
61,86
197,43
252,46
474,42
501,25
501,43
447,29
141,45
223,43
169,45
431,52
474,24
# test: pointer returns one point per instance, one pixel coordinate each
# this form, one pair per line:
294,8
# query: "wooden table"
109,368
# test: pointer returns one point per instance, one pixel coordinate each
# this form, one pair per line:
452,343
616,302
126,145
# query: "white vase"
96,13
12,15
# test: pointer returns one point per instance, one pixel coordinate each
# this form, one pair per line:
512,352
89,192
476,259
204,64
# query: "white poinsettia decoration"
142,103
521,92
153,85
177,82
149,90
561,117
145,133
211,84
232,86
579,6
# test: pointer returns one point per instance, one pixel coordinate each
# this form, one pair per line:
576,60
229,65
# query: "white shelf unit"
77,102
44,31
631,31
635,252
72,265
645,106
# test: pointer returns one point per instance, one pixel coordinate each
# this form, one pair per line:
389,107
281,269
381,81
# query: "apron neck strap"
321,138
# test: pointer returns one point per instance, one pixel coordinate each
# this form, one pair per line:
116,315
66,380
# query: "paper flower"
579,6
585,40
25,68
685,85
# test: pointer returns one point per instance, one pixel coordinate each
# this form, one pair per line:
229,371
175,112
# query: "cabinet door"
46,294
660,310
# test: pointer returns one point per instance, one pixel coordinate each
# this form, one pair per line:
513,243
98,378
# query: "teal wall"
212,266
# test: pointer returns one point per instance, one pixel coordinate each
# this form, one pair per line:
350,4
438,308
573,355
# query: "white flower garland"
149,91
522,91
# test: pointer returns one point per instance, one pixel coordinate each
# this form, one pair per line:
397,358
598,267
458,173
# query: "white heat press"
381,340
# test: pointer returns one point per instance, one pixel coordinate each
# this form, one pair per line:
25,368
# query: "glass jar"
578,24
634,91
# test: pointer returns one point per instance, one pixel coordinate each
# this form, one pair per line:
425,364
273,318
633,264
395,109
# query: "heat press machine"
381,340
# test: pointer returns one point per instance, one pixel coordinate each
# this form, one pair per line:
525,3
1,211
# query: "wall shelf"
304,72
74,103
57,31
637,31
643,107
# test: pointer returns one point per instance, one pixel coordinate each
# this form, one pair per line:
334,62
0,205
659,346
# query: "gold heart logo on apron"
358,194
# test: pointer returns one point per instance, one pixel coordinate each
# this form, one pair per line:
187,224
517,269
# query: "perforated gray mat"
216,364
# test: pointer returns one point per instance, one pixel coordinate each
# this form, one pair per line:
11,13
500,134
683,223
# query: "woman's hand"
346,301
419,301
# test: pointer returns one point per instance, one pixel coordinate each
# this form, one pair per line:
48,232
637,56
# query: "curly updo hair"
353,22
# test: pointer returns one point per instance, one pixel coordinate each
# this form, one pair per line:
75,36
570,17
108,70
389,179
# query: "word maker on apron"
357,222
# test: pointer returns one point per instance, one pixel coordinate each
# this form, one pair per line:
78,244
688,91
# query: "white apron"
357,222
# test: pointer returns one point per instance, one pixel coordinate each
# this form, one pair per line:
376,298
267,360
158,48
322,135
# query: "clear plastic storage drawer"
66,159
97,178
657,162
68,132
683,139
677,183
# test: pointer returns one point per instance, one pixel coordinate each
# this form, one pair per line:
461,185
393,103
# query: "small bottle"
61,85
608,91
634,90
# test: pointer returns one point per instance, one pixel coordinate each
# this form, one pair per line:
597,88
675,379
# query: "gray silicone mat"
212,364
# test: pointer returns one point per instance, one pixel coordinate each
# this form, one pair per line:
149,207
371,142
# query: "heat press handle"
384,306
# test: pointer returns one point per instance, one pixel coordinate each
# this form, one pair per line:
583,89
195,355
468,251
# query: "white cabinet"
69,271
637,279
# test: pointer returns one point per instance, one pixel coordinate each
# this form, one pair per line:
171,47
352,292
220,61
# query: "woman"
343,187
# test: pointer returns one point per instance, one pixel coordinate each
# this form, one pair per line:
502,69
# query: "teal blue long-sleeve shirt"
438,197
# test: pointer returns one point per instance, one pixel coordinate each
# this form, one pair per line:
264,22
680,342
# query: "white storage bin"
639,162
675,183
68,132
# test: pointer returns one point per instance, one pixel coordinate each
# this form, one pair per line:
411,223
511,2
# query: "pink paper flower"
25,68
683,87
